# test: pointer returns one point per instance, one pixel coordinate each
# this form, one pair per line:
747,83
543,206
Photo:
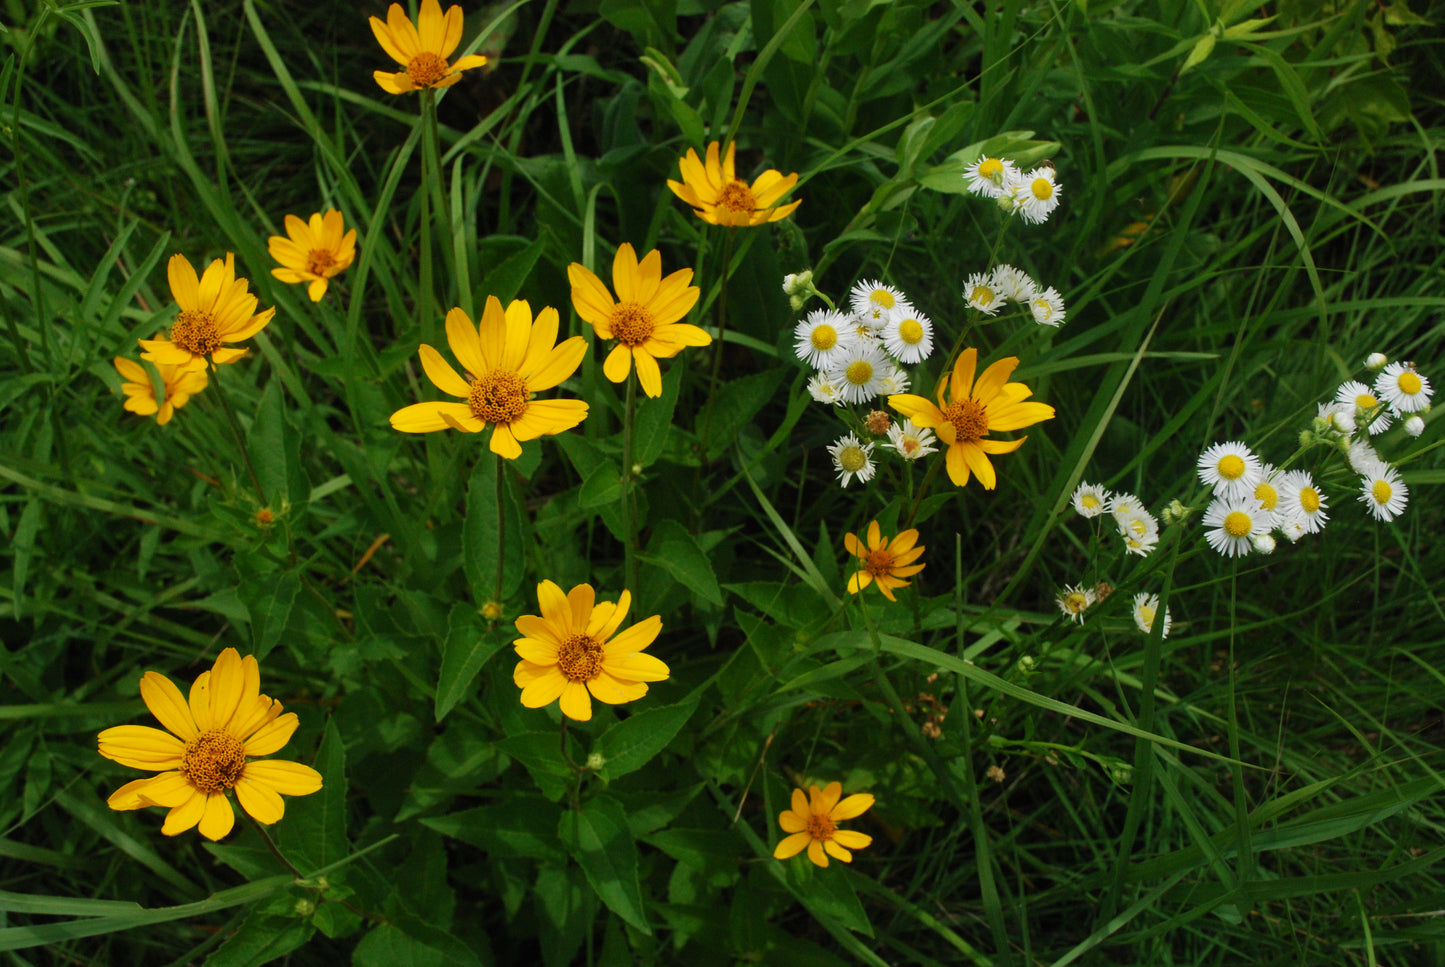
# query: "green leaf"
602,487
514,826
270,601
652,425
312,834
466,649
479,534
261,938
416,946
685,561
540,754
505,280
276,451
630,744
735,403
599,840
22,545
829,894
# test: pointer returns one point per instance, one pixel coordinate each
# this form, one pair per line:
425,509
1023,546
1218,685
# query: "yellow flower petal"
186,815
273,736
167,704
218,819
287,778
790,846
261,802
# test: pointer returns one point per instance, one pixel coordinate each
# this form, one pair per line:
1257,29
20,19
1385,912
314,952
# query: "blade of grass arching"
813,578
75,498
102,821
208,94
760,63
569,155
1104,931
461,244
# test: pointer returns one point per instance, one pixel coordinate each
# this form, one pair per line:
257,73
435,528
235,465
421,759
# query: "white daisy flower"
1090,500
894,380
859,372
1233,524
1292,527
989,176
824,390
1376,362
1264,544
1339,417
1414,426
908,337
1368,409
875,302
1363,458
1404,389
1300,499
1384,493
1266,491
1048,308
865,327
1140,531
823,337
1036,194
1125,504
1074,600
911,441
852,458
1230,468
981,291
1146,609
1015,284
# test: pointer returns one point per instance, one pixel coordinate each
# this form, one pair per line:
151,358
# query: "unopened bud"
595,761
1376,361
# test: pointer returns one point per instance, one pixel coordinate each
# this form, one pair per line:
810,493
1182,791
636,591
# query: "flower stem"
236,432
501,525
922,490
722,328
430,175
629,520
290,868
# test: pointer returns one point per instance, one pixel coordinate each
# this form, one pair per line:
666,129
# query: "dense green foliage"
1252,205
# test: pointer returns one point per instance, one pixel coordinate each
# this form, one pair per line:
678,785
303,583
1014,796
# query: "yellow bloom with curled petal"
719,197
313,251
972,410
885,560
209,751
422,49
813,823
573,650
215,309
508,357
646,317
178,384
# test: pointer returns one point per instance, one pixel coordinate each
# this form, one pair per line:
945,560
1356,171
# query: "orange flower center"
969,420
426,69
632,324
499,397
820,827
878,563
737,197
580,658
318,260
195,332
213,761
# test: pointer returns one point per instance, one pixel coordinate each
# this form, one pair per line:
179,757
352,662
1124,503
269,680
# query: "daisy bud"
1264,544
798,283
1307,439
1414,426
995,774
1376,362
491,611
304,908
796,302
1026,665
1176,512
1121,772
788,281
595,761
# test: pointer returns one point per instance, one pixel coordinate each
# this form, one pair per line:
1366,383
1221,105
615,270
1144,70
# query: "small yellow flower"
813,824
208,751
884,561
179,384
573,648
645,318
508,357
972,410
422,49
217,308
315,251
719,197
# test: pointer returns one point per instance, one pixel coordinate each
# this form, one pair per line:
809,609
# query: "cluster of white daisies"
1075,599
988,292
1137,527
1033,195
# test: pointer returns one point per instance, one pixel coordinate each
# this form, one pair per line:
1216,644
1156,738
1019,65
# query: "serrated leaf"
479,534
260,939
653,422
466,649
519,825
275,451
270,601
312,834
600,841
631,744
685,561
416,946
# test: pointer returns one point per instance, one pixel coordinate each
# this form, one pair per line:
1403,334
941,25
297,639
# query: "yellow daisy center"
991,168
632,324
821,827
852,459
737,197
1042,188
824,337
910,331
1309,499
579,658
859,372
1042,307
195,332
426,68
1381,491
318,260
1075,602
982,295
213,761
1409,383
499,397
1091,502
1266,495
1366,401
910,445
1231,467
882,298
1146,616
1138,526
969,420
1238,524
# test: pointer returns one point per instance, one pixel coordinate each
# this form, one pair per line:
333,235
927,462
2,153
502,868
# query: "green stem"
430,173
501,525
290,868
722,328
922,489
629,522
236,432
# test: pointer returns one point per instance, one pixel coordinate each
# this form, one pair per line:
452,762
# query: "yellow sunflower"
315,251
422,49
508,357
813,823
719,197
884,561
178,383
573,648
972,410
645,318
217,308
208,751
